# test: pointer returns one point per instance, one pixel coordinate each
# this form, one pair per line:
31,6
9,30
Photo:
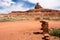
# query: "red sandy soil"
23,30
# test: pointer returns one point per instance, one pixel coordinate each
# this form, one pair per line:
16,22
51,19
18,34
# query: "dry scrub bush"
55,32
37,18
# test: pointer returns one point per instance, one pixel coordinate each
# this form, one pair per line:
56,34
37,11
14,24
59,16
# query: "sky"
7,6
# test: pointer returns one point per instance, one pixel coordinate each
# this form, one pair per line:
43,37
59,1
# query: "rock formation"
37,11
37,6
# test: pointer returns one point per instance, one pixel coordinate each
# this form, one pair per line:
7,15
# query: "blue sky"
7,6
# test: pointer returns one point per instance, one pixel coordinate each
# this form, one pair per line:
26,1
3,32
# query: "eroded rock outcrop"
37,6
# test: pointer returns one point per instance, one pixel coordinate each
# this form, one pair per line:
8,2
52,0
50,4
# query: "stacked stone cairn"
45,30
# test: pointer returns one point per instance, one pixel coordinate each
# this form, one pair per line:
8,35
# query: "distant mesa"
37,11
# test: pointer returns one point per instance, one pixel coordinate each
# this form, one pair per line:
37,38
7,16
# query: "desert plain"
24,30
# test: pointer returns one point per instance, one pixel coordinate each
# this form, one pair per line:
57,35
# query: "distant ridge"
37,11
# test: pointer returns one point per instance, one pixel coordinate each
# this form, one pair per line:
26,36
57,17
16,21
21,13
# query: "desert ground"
24,30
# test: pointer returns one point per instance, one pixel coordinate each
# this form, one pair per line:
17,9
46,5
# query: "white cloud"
18,7
8,7
6,3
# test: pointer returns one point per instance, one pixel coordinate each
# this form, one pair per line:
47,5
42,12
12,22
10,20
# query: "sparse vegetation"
5,19
37,18
55,18
55,32
51,18
46,18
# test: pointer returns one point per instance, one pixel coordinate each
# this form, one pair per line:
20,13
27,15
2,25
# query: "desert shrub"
46,18
37,18
55,32
55,18
4,19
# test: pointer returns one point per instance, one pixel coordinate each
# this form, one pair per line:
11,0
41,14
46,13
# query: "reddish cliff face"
37,11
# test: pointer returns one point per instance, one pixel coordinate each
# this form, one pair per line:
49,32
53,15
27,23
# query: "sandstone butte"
37,11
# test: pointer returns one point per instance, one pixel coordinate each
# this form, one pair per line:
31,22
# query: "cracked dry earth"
24,30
